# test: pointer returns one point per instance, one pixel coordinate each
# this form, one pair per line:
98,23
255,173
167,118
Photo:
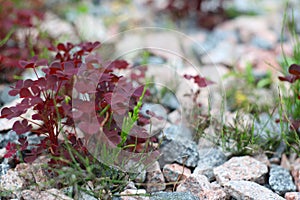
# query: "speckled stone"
173,196
139,194
12,181
199,186
250,190
175,172
182,151
51,194
281,180
295,171
155,179
241,168
208,159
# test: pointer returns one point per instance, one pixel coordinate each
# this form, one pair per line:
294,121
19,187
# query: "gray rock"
10,136
281,180
262,43
250,190
177,132
209,158
266,128
182,151
173,196
4,167
5,97
170,101
155,179
85,196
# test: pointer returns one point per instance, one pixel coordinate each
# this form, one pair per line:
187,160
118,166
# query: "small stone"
34,172
175,117
262,43
263,158
285,163
292,196
12,181
182,151
280,180
131,192
250,190
51,194
170,101
194,184
241,168
199,186
155,179
295,171
175,172
209,158
177,132
173,196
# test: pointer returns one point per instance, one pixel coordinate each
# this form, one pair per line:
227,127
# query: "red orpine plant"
48,97
56,109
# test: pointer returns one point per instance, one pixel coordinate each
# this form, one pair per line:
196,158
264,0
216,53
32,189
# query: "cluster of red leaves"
46,96
15,22
292,77
194,8
51,99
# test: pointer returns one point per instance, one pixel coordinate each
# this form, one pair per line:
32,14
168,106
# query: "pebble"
295,171
285,163
182,151
12,181
250,190
175,172
134,194
155,179
51,194
292,196
173,196
199,186
241,168
281,180
177,132
170,101
209,158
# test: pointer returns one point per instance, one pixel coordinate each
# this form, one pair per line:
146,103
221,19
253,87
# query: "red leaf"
118,64
21,127
25,93
294,69
61,47
26,64
200,81
6,113
35,89
10,150
289,78
36,117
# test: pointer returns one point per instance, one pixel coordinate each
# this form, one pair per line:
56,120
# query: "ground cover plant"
50,97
